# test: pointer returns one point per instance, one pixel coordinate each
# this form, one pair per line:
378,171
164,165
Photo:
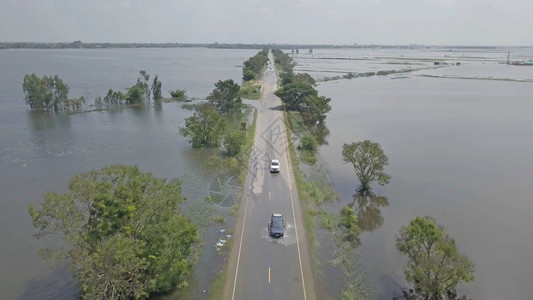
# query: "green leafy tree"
287,77
114,97
142,82
318,108
285,62
225,96
434,265
156,89
205,128
58,91
233,142
254,65
304,78
135,95
308,143
126,234
293,95
35,91
178,94
351,231
248,75
47,92
368,161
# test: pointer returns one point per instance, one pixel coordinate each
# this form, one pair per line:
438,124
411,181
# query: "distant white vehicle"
274,166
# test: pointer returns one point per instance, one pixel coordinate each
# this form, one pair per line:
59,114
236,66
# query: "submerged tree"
178,94
368,161
48,92
205,128
156,89
135,95
142,82
225,96
434,266
127,236
233,142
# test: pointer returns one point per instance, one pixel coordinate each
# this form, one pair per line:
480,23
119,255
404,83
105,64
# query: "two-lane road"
262,267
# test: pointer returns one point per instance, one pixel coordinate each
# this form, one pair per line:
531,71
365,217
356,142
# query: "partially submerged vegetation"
431,274
314,189
351,75
126,233
123,241
51,93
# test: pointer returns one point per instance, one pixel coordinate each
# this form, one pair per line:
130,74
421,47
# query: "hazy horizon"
313,22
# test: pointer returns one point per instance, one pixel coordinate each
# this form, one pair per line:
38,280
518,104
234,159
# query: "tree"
178,94
248,75
286,77
348,222
368,161
46,92
318,108
304,78
225,96
127,236
308,143
58,91
233,142
254,65
114,97
434,265
142,82
135,94
204,129
34,91
156,89
293,95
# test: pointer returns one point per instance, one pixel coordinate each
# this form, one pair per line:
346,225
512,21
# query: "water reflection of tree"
320,132
368,206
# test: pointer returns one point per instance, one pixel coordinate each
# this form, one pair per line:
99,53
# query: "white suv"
274,166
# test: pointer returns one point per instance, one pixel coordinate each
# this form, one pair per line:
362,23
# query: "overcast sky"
429,22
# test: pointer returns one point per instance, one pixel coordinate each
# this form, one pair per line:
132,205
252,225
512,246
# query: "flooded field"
41,151
458,138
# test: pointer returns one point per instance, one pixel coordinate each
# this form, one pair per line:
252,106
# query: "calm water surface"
459,150
41,151
459,145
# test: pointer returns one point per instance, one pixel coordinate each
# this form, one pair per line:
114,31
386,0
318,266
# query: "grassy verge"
248,145
217,287
250,90
303,195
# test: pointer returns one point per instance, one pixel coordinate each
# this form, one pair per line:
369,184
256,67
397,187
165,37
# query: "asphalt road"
261,267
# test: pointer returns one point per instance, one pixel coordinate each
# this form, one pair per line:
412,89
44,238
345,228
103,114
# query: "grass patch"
248,145
219,219
301,187
250,90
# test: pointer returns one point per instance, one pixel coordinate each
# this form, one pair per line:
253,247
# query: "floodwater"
41,151
459,140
